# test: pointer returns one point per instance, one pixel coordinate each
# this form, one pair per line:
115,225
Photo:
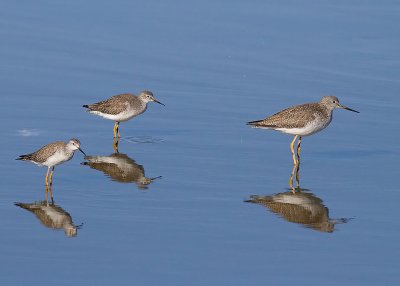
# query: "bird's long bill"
155,100
155,178
82,151
347,108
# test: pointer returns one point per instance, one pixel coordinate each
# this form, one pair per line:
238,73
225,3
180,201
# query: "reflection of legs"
51,175
47,175
292,149
116,130
115,145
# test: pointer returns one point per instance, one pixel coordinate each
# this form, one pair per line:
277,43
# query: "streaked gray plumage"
301,120
53,154
118,104
42,155
305,119
122,107
294,117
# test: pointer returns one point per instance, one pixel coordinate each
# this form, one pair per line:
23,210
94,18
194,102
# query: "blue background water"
216,65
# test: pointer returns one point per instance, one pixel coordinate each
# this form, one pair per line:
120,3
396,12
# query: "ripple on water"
143,139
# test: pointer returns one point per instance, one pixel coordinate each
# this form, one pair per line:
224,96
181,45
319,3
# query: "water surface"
216,65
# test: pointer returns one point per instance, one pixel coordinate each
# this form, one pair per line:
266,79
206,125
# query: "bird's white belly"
123,116
309,129
56,158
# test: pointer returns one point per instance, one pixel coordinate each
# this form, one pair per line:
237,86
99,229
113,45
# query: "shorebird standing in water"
53,154
302,120
122,107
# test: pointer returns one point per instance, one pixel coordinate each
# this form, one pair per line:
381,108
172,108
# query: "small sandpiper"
302,120
122,107
53,154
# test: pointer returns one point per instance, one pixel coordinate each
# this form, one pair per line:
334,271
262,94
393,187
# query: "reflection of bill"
302,208
119,167
52,216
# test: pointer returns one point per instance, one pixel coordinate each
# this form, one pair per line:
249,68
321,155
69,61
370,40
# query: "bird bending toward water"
122,107
302,120
53,154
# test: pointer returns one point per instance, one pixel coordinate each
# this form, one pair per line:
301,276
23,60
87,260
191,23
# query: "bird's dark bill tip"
82,151
347,108
155,100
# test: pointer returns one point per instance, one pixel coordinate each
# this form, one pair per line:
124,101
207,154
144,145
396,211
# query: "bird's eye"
334,101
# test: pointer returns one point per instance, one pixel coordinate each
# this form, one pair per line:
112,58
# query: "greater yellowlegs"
302,120
53,154
122,107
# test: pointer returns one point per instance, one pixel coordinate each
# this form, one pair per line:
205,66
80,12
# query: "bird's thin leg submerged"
47,176
49,190
295,171
116,130
115,145
292,149
51,175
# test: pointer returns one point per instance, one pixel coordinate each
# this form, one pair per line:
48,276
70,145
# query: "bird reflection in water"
119,167
299,206
302,207
51,215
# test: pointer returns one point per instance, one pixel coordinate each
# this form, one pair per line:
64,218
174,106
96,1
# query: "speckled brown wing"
292,117
113,105
41,155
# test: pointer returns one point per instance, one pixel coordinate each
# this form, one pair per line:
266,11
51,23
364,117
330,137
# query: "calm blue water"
216,65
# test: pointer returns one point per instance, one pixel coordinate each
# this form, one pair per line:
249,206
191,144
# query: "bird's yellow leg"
292,149
51,195
115,129
298,149
298,161
51,175
119,135
291,180
47,199
294,171
47,175
298,175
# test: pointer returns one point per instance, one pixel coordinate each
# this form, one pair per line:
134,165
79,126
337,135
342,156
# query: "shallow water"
216,65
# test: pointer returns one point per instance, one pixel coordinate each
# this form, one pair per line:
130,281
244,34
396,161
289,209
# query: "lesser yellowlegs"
122,107
302,120
53,154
